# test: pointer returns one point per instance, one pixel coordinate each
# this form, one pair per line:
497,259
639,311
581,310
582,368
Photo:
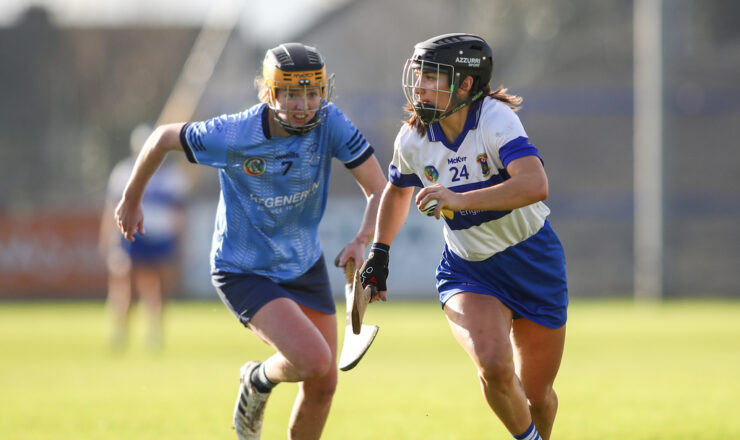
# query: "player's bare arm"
395,205
395,200
370,178
528,184
128,215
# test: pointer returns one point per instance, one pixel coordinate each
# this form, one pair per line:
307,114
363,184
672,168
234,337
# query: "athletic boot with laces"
250,405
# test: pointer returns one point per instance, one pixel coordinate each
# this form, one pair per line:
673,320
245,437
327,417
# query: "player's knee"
543,399
496,369
321,389
314,364
314,371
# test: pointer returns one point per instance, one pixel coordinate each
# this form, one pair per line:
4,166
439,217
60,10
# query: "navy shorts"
528,277
245,294
148,250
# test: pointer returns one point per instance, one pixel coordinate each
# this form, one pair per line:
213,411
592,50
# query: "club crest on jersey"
482,159
431,173
255,166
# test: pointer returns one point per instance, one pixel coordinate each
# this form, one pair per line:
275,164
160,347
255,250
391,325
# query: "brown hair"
513,101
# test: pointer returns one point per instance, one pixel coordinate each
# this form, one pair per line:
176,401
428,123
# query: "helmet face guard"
455,55
296,73
413,73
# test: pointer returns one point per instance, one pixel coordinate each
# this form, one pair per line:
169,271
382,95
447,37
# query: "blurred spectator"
149,265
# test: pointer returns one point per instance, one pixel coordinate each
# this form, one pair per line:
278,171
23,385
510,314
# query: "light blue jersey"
273,190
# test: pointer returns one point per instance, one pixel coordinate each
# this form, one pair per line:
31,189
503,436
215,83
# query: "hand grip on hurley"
431,205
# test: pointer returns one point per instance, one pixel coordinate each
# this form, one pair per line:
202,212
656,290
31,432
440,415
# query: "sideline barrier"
51,255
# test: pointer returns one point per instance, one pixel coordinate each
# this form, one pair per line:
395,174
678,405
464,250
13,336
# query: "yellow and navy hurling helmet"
296,68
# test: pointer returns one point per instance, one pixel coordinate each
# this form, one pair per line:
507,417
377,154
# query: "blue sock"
530,434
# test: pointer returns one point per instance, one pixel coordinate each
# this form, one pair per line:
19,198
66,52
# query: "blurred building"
71,96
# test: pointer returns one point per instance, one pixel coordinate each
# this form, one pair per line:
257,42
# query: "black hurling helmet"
458,56
295,67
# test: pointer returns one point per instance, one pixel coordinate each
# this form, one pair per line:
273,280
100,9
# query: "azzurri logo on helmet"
298,71
455,55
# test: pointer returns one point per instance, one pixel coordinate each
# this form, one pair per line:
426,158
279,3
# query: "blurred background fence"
72,91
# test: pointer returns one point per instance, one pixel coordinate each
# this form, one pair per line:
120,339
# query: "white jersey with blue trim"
273,189
492,137
163,201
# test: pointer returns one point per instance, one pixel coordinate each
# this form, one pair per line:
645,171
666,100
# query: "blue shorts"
245,294
147,250
528,277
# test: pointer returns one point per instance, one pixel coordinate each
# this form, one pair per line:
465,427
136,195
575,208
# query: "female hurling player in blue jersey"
267,264
501,281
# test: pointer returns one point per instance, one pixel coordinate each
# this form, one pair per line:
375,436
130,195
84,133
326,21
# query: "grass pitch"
667,371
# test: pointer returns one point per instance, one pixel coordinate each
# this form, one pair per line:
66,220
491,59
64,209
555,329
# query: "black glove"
375,269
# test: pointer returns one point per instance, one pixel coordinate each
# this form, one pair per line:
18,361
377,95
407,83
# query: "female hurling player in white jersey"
267,264
501,280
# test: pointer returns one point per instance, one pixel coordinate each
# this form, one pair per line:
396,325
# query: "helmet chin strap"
429,114
459,104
